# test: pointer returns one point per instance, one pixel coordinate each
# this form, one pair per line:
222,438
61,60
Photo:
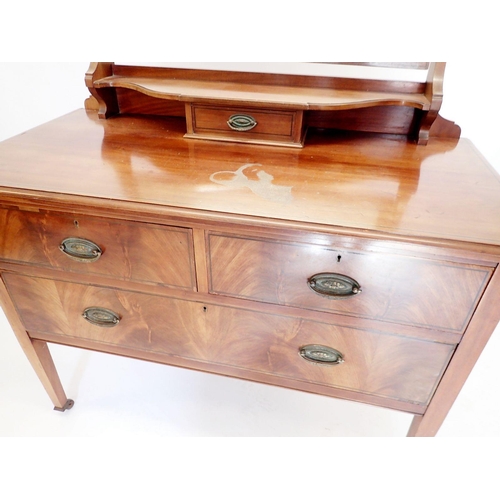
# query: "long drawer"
361,360
391,288
125,250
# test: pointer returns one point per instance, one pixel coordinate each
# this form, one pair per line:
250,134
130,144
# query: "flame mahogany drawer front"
128,251
392,288
245,124
384,365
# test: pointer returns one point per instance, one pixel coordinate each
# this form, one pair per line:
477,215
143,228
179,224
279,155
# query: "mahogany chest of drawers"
361,268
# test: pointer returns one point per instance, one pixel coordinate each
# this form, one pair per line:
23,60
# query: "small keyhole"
204,308
76,223
338,258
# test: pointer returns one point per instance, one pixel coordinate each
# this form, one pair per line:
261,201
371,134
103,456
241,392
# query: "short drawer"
391,288
245,124
358,360
132,251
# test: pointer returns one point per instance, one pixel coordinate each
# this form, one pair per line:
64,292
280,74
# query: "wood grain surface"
418,292
138,252
442,191
272,127
207,248
263,95
375,363
36,352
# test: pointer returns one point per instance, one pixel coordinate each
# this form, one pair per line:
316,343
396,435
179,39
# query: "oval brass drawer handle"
80,249
321,354
101,317
334,286
241,123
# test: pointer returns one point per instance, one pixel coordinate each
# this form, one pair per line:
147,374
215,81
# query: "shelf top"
262,95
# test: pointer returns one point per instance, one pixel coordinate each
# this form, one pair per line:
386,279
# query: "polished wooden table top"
444,190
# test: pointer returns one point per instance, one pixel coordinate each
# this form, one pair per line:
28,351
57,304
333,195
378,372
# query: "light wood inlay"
399,188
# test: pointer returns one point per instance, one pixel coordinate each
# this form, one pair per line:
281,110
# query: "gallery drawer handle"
321,354
241,123
334,286
101,317
80,249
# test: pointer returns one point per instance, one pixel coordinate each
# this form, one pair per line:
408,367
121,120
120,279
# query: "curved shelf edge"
300,100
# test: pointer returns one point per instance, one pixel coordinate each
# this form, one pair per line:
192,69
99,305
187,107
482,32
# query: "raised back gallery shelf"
270,108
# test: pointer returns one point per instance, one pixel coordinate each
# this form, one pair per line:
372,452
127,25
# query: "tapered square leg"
37,353
414,427
466,354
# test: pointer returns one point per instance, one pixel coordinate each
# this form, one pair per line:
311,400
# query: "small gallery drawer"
391,288
245,124
132,251
360,360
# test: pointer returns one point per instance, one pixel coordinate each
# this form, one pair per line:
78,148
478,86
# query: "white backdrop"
118,396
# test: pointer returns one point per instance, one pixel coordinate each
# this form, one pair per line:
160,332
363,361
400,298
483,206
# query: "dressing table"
332,235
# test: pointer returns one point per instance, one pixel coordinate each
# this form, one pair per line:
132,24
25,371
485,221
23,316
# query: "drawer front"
87,312
243,120
139,252
391,288
289,348
245,124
